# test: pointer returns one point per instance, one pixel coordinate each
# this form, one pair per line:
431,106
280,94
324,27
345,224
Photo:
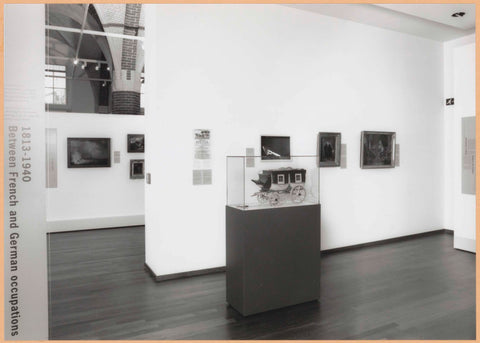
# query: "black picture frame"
86,152
377,149
136,143
275,147
137,169
329,146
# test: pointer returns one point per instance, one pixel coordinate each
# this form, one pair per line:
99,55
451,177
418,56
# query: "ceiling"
440,13
432,21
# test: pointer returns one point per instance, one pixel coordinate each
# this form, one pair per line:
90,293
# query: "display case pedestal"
273,257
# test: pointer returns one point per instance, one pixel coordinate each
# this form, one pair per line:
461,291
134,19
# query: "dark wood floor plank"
420,288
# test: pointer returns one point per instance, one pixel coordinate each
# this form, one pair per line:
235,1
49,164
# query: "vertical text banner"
25,240
468,155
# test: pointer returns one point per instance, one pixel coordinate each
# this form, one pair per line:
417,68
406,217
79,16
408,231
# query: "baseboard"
386,241
160,278
94,223
139,227
465,244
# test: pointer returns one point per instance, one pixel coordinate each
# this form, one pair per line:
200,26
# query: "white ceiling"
440,13
432,21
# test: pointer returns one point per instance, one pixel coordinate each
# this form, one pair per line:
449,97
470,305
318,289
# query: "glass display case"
253,183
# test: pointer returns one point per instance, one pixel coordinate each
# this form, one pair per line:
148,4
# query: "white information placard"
343,157
468,155
202,170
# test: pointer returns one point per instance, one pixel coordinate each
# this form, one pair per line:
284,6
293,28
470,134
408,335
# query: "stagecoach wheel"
298,194
274,199
262,198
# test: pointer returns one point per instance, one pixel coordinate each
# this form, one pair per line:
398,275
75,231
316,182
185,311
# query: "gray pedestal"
273,257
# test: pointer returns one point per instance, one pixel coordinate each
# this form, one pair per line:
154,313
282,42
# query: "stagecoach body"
277,184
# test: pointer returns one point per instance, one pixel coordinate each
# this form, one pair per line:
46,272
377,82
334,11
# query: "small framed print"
377,149
275,147
136,143
329,149
137,169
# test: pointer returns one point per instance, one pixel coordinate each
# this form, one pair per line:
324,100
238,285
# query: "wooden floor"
416,289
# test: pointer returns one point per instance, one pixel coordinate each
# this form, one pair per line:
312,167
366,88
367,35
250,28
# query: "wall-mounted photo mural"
94,58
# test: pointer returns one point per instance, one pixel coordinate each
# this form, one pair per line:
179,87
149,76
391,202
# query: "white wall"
87,198
459,71
247,70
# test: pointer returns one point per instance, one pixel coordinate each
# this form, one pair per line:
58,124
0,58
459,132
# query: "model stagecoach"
278,184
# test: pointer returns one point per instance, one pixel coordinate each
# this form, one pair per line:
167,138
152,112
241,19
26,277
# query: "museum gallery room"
239,171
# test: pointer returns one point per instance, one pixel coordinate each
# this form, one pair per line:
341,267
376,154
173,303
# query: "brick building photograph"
94,58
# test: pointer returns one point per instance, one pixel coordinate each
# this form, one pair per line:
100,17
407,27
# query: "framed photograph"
329,149
137,169
377,149
88,152
136,143
275,147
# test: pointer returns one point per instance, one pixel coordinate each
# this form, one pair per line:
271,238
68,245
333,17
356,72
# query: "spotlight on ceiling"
84,65
104,83
75,61
108,68
97,67
458,14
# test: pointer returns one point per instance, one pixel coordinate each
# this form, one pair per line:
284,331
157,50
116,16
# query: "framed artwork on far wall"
135,143
329,149
137,169
88,152
275,147
377,149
